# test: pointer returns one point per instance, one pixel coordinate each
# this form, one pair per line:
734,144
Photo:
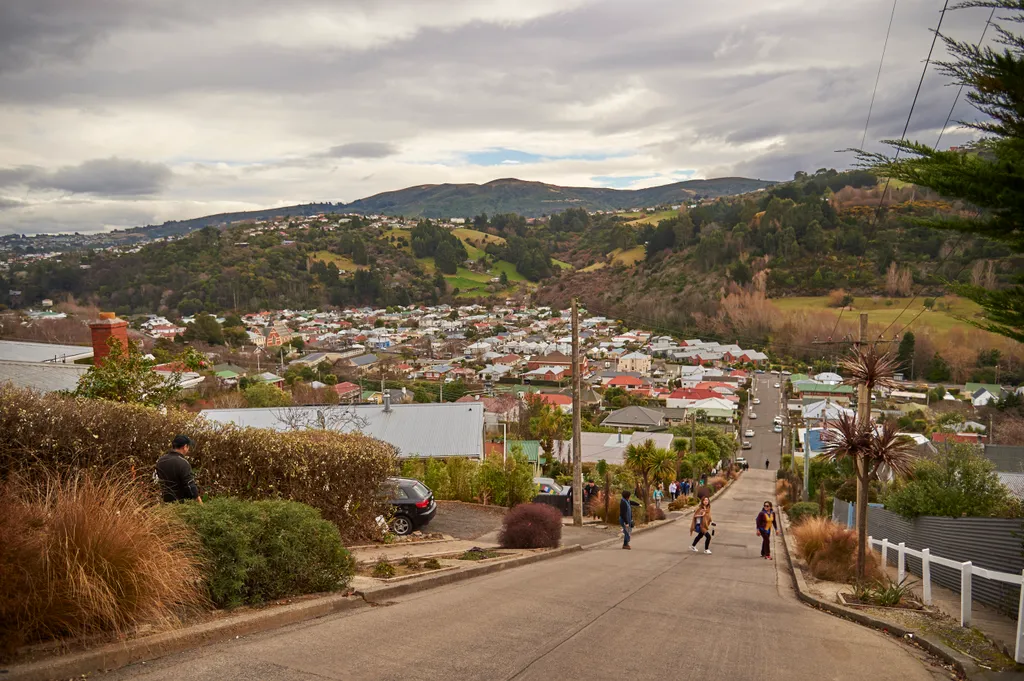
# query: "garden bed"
409,566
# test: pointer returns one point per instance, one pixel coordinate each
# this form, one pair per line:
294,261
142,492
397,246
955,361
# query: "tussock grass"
89,554
830,550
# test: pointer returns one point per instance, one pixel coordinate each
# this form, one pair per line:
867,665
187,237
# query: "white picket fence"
967,572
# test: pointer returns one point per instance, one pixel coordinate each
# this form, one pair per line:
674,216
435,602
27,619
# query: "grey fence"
990,543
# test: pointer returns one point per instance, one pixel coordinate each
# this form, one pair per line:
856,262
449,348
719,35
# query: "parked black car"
413,503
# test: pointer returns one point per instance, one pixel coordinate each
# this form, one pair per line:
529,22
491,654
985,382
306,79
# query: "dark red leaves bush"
531,526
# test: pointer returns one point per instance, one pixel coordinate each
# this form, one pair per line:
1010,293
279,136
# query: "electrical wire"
913,104
878,75
960,90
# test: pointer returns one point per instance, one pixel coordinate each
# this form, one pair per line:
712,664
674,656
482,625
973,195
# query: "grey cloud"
362,150
7,203
109,177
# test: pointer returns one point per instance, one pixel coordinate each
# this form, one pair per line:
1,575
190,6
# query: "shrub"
957,482
86,555
830,550
801,511
655,513
639,517
340,474
531,526
431,564
678,504
261,550
383,569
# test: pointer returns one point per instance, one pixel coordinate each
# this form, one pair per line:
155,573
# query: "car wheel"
401,525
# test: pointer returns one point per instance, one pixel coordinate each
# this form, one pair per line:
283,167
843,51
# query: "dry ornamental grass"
830,550
90,555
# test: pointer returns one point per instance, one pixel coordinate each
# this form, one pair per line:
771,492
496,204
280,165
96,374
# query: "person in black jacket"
174,473
625,518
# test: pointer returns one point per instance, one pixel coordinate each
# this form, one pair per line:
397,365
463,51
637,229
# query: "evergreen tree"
445,259
988,175
906,352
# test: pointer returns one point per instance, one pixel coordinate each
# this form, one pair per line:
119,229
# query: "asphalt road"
659,611
765,443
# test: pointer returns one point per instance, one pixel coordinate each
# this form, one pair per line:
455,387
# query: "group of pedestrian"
679,488
701,523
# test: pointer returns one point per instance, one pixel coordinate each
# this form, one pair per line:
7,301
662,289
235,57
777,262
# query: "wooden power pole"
863,421
577,454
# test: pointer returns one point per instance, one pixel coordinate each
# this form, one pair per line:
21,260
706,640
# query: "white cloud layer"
124,112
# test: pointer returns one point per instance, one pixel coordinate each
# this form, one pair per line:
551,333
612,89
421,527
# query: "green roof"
226,374
530,447
814,386
972,388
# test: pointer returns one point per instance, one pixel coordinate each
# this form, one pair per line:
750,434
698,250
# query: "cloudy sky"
117,113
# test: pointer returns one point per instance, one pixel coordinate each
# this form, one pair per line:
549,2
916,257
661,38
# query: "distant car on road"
753,415
413,504
778,420
776,385
777,428
756,400
746,445
749,432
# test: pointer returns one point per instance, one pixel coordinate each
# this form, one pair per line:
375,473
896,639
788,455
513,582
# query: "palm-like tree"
857,439
650,463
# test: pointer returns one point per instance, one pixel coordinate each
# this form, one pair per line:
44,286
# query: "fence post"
965,594
1018,650
901,562
885,554
926,575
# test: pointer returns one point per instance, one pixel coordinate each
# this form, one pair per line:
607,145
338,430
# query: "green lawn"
509,269
881,312
593,268
562,264
654,218
477,236
342,262
628,257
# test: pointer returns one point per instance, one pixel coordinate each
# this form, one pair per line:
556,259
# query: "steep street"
657,612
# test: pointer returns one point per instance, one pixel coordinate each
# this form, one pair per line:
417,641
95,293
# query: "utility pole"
863,419
577,455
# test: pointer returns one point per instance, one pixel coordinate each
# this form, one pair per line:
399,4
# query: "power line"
917,93
960,90
988,22
878,75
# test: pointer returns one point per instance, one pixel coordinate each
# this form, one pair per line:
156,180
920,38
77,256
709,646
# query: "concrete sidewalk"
657,612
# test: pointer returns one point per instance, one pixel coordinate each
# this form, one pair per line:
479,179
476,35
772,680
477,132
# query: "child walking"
701,524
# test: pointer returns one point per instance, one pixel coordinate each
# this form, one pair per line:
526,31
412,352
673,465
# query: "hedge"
256,551
801,511
339,474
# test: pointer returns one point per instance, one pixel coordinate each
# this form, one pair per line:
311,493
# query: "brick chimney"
108,326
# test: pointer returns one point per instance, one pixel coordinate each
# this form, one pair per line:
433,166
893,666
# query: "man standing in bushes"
625,517
174,473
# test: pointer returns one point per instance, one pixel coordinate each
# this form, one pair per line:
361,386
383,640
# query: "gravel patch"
466,521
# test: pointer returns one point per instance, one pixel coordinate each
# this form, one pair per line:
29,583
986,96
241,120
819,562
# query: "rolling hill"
533,199
530,199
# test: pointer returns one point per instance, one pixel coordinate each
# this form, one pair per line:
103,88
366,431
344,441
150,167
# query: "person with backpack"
766,522
701,524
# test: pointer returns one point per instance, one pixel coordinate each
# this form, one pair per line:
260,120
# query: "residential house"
347,392
636,362
548,373
276,335
437,372
611,447
556,400
639,418
555,359
437,430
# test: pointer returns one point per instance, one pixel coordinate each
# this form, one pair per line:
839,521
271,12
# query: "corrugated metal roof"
21,351
42,376
416,430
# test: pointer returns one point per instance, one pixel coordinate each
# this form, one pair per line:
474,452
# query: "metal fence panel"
841,511
992,543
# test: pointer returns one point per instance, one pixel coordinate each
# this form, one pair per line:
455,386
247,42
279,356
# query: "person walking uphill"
625,518
701,524
174,473
766,522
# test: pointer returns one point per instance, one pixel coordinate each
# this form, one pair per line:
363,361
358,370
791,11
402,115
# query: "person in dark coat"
625,518
174,473
766,522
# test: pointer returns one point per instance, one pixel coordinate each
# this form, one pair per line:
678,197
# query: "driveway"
656,612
